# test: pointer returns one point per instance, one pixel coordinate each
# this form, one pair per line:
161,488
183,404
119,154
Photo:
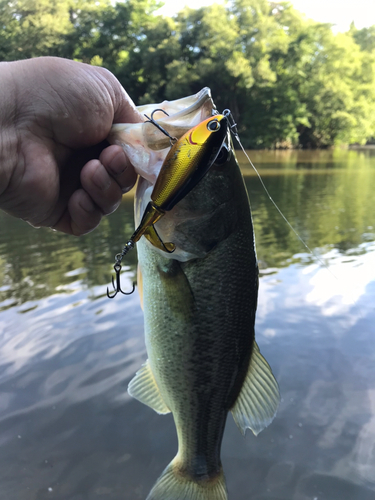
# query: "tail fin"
172,485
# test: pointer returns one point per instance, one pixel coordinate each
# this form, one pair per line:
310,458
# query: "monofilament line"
280,212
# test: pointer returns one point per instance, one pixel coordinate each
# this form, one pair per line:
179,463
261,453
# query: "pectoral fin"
144,388
259,398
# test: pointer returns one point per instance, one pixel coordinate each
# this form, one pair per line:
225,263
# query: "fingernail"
87,205
118,163
101,178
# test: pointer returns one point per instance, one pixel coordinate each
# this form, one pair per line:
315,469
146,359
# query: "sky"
338,12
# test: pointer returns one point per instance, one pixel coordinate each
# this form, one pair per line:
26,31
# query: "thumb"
124,110
124,107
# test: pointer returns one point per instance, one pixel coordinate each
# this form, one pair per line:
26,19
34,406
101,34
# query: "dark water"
68,429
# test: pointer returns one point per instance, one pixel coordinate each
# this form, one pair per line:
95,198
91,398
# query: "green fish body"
199,307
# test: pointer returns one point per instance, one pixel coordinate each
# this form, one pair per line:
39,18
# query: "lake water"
69,430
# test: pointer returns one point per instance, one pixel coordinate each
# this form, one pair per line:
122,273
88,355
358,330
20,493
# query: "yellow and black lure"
187,162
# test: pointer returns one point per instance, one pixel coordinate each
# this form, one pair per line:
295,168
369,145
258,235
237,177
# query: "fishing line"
235,133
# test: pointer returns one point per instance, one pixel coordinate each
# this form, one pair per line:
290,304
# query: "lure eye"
213,126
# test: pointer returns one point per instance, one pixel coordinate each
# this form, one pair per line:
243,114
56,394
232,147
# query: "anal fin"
144,388
257,403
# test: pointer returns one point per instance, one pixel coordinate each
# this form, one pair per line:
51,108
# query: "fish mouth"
180,109
176,117
147,146
182,115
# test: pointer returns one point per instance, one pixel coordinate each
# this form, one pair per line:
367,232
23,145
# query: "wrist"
8,135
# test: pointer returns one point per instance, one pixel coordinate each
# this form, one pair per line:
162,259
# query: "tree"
76,29
30,28
365,37
288,80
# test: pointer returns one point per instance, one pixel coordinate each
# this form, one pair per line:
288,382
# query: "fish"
199,305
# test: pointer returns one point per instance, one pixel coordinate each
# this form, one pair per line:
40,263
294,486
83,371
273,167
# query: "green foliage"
29,28
365,37
289,81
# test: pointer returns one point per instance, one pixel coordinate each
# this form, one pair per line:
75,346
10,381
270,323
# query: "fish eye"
213,126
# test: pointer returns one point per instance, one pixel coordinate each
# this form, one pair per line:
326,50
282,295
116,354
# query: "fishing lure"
186,163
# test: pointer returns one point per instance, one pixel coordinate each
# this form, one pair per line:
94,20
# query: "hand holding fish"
55,169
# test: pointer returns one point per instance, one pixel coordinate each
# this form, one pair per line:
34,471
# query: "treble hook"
151,120
117,288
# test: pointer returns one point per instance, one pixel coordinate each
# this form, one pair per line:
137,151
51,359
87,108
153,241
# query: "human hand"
55,170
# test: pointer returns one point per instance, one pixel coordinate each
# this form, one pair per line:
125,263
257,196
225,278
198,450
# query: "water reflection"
36,264
68,428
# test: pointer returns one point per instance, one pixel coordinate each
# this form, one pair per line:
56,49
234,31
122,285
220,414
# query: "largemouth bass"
199,306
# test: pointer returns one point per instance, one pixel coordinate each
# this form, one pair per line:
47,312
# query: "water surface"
68,429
